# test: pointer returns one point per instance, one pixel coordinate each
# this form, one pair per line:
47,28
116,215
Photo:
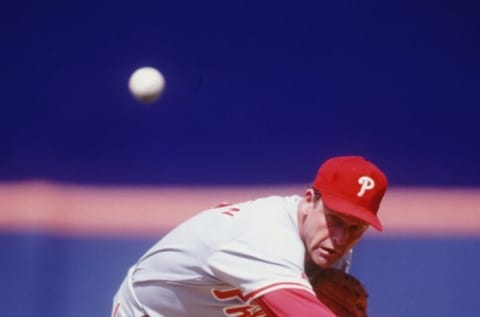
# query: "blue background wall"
257,92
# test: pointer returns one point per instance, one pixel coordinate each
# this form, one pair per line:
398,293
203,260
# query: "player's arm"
291,302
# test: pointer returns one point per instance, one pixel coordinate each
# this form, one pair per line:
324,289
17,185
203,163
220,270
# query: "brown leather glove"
341,292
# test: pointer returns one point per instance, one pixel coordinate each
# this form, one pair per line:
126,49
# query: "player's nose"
340,236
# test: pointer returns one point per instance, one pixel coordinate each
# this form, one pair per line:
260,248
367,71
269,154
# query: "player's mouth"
328,252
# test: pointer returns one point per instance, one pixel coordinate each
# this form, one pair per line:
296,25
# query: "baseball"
146,84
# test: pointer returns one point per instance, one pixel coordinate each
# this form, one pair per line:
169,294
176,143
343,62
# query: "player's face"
327,234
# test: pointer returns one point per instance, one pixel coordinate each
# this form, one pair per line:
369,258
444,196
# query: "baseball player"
250,258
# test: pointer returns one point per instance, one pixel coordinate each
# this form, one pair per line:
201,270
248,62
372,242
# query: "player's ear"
309,195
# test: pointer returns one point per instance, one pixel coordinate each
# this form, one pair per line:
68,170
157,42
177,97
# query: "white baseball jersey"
217,262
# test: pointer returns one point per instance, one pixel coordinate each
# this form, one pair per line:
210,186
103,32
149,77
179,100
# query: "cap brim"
345,207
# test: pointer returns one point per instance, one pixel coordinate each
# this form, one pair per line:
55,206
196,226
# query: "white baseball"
146,84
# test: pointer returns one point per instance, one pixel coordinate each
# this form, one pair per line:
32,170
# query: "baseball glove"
341,292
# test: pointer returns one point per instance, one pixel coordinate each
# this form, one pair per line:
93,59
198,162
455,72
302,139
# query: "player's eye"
356,229
334,220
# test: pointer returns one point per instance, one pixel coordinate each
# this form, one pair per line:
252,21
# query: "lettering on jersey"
366,183
228,294
231,211
223,204
245,311
238,310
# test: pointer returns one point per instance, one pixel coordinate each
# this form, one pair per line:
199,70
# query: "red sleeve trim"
292,303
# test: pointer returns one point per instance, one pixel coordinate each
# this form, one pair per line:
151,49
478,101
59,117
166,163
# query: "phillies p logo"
366,183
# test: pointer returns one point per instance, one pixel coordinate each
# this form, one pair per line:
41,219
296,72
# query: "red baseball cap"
353,186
